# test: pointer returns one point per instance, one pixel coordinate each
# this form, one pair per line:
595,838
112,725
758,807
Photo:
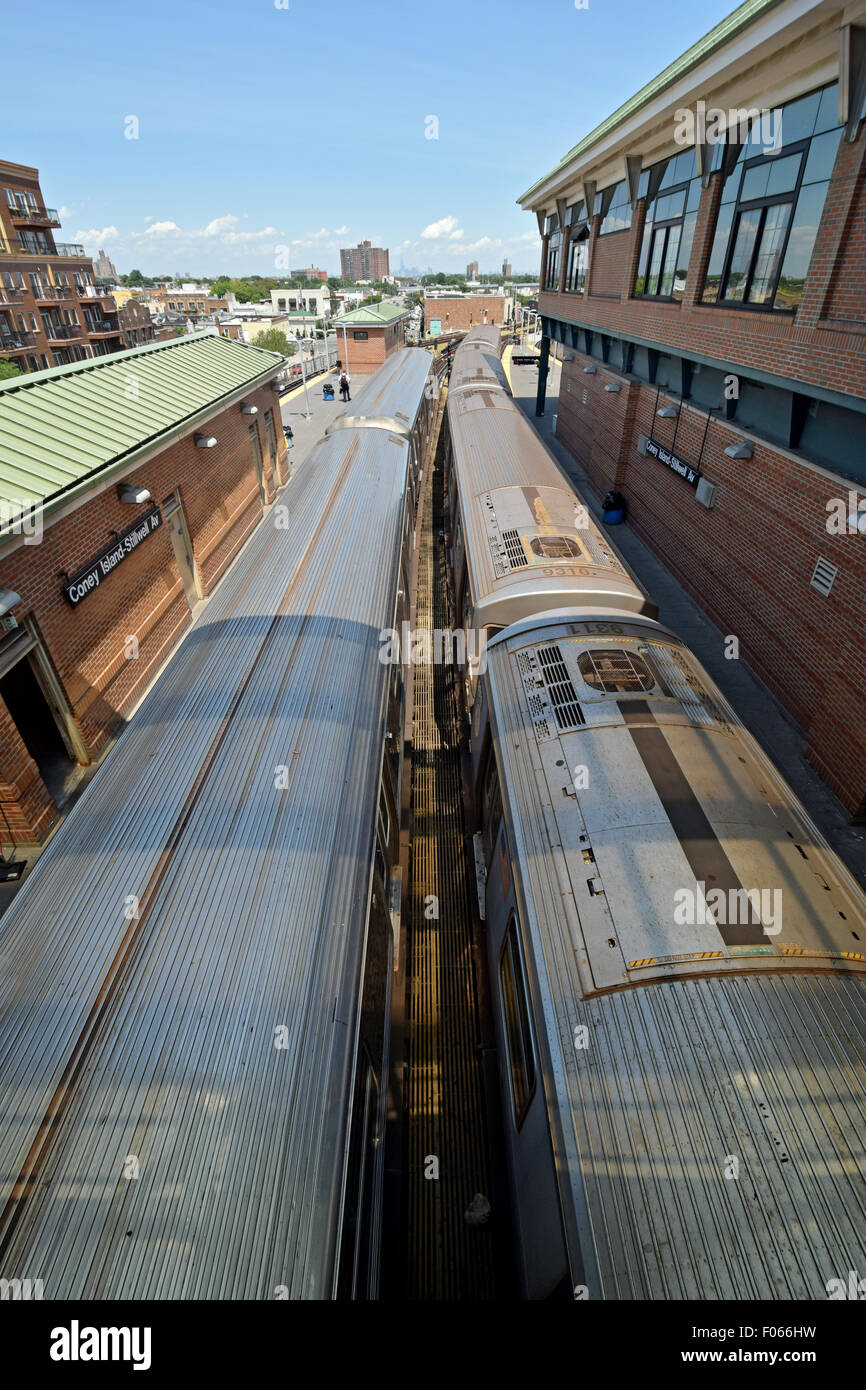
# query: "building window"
615,208
515,1008
673,191
554,248
771,207
360,335
578,249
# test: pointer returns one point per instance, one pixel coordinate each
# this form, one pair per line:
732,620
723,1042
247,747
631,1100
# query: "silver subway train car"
677,957
195,978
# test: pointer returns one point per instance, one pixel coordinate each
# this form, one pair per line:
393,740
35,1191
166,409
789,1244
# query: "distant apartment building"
506,269
472,270
51,312
104,269
446,313
312,272
288,301
364,262
136,323
193,303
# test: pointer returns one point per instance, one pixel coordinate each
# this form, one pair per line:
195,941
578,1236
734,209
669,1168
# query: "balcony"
102,329
15,342
51,294
12,296
38,217
55,332
89,292
67,248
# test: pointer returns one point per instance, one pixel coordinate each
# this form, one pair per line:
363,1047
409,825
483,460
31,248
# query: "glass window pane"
640,279
798,118
694,197
683,255
643,183
717,255
828,109
822,156
755,182
783,174
798,254
655,263
769,254
670,206
732,184
670,264
744,245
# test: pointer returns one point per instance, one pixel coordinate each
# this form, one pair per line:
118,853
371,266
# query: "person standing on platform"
344,386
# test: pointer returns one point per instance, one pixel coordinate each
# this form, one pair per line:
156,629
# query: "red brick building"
51,311
448,313
704,277
170,455
369,334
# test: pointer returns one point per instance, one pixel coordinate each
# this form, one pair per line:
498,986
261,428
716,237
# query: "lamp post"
304,380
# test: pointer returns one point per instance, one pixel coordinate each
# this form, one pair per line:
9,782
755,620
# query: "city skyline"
213,178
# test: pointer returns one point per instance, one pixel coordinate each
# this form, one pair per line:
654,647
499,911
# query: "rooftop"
374,315
59,428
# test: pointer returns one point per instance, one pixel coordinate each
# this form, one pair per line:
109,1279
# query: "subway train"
195,977
676,956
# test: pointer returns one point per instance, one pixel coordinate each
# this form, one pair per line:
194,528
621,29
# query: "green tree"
8,369
275,340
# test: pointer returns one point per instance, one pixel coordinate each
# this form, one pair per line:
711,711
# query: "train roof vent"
683,685
513,549
823,575
561,693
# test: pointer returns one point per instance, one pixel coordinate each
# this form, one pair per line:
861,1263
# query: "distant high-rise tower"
364,262
506,269
104,268
472,270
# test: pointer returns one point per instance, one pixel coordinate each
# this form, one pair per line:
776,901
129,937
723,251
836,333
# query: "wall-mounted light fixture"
613,386
204,441
590,371
742,450
8,599
132,493
247,409
668,412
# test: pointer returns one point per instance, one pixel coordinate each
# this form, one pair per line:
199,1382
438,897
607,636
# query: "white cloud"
158,228
446,227
340,231
94,234
220,224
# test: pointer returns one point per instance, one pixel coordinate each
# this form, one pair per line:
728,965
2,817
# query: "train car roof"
392,396
209,889
706,1090
531,542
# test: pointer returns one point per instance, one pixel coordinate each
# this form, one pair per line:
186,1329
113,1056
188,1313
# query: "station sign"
685,470
87,580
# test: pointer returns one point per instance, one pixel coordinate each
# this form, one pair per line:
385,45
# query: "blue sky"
304,127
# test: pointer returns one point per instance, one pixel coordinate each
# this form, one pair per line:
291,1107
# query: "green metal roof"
375,314
729,27
60,427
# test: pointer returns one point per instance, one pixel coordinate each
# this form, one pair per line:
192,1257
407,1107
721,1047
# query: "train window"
555,548
491,804
521,1059
615,671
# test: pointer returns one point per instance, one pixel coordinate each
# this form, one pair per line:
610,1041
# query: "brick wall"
748,560
366,355
144,597
456,313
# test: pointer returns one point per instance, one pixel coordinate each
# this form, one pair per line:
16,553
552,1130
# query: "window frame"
743,206
511,949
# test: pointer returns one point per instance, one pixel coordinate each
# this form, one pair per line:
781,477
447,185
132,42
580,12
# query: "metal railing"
11,296
57,331
34,214
16,342
53,292
68,248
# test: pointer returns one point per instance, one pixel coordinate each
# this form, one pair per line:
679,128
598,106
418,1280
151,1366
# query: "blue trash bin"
613,508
